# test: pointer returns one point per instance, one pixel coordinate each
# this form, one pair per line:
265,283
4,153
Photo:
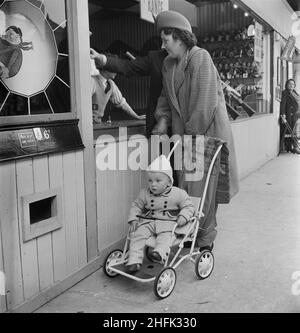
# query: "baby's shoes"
133,268
155,256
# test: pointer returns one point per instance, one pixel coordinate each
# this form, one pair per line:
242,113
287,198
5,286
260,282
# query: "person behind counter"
290,112
104,90
192,102
151,64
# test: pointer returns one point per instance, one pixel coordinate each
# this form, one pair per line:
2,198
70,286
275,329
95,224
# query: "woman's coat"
290,106
198,106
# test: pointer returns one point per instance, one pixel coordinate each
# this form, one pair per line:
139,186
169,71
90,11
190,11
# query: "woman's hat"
172,19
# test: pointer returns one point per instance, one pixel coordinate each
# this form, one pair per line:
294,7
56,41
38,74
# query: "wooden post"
82,103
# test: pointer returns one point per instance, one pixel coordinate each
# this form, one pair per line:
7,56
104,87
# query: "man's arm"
127,108
139,66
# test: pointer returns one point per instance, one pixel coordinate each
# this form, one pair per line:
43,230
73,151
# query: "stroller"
292,136
164,274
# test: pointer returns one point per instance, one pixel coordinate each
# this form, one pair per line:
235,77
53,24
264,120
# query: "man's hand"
100,59
181,221
161,127
133,225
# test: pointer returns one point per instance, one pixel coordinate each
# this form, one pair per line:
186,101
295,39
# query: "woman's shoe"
207,247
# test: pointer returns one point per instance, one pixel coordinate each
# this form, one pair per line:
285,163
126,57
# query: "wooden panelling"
115,192
29,252
2,283
70,218
58,236
10,235
220,17
37,265
44,243
80,211
116,189
61,286
110,33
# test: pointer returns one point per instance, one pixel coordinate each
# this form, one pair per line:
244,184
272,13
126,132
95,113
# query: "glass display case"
34,59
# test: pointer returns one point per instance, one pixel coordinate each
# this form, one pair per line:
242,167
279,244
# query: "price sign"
27,138
150,8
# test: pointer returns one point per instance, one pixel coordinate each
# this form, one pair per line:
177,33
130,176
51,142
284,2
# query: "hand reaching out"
99,58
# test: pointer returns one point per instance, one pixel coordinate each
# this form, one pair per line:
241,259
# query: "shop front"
284,43
61,208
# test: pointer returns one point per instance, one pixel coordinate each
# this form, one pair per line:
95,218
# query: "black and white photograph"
150,159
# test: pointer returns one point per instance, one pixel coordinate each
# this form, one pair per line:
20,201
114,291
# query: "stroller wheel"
204,264
110,260
165,282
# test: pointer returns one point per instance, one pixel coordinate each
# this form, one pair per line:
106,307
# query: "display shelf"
234,58
245,80
227,42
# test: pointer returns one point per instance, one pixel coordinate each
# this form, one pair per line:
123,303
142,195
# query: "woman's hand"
161,127
141,117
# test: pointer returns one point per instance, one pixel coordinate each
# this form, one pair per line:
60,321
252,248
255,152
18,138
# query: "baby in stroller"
154,212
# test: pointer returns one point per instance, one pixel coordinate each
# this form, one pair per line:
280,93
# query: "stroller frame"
164,276
291,135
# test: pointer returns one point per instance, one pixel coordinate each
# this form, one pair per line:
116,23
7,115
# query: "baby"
154,213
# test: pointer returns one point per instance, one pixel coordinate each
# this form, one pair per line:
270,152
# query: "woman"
192,102
290,112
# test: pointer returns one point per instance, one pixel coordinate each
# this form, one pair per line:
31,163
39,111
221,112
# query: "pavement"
257,259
